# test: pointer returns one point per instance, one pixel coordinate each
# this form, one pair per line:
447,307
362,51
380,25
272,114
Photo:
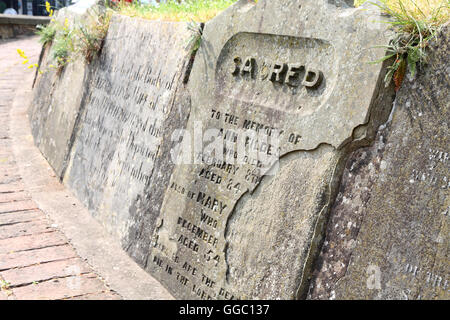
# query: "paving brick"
31,242
12,187
32,257
10,179
45,272
21,216
9,168
30,249
14,196
17,206
61,288
97,296
25,228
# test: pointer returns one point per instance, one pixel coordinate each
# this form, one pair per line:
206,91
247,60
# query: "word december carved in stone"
284,73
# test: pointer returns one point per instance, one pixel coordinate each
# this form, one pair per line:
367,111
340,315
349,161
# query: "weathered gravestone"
277,79
388,236
57,102
130,108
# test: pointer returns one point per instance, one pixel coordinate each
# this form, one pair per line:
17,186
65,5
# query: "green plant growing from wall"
195,39
63,45
46,33
84,40
415,27
91,34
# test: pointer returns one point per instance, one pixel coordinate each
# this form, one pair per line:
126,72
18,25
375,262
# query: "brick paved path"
36,260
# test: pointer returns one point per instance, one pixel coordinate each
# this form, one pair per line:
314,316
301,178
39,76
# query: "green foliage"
46,33
195,40
83,40
63,45
91,34
414,31
4,285
173,10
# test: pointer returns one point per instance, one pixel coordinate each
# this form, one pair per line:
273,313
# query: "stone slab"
54,113
119,165
85,234
288,79
23,19
388,236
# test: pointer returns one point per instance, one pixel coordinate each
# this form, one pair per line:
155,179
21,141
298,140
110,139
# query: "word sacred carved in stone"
284,73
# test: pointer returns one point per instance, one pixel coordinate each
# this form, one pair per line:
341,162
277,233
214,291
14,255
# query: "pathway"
36,259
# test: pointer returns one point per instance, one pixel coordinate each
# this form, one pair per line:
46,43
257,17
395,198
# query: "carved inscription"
430,174
291,74
122,129
219,173
256,165
198,233
298,82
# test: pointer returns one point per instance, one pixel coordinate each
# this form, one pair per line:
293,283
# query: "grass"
63,44
432,11
46,33
71,42
172,10
416,23
91,33
4,285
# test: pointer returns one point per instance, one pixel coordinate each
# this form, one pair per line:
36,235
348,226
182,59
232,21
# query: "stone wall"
15,25
277,168
103,126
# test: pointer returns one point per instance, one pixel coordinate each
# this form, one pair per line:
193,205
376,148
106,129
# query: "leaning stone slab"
388,236
57,102
285,80
119,164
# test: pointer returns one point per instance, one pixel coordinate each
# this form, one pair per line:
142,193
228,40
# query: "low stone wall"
153,149
14,25
106,138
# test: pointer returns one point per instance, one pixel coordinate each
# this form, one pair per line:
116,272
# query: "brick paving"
36,259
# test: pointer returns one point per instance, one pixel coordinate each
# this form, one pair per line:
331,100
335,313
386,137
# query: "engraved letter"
373,277
313,78
293,74
277,72
249,66
237,66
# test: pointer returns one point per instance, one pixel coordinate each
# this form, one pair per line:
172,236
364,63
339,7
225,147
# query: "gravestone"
281,92
54,114
388,236
130,108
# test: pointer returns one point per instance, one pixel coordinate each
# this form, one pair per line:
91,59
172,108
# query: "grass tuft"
46,33
91,34
416,23
83,40
63,44
172,10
